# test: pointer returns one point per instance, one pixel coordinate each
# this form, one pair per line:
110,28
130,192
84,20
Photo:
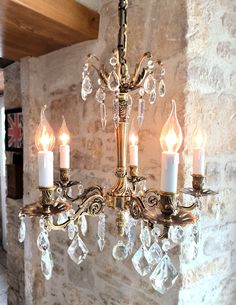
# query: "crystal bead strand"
101,231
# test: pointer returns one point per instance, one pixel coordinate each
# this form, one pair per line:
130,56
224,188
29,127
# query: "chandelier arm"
188,208
146,55
93,189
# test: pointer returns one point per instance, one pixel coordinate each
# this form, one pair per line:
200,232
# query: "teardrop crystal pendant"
22,229
155,232
103,113
47,264
43,241
153,97
149,84
162,88
83,225
176,234
87,85
140,262
113,81
120,251
71,230
77,250
129,101
164,275
62,218
145,236
100,95
101,231
141,109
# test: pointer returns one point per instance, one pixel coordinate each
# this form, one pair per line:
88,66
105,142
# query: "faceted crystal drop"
113,61
140,262
154,254
103,114
83,225
113,81
62,218
189,251
162,88
46,264
100,95
43,241
145,236
87,85
101,231
166,245
101,244
77,250
176,234
120,251
164,275
141,109
150,64
71,230
153,97
149,84
22,230
156,232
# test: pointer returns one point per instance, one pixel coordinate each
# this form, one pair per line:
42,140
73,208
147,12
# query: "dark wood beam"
36,27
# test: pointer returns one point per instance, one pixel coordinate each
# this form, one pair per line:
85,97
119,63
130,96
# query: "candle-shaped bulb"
133,144
44,136
63,134
171,134
199,138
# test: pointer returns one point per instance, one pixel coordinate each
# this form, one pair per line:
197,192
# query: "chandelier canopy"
161,215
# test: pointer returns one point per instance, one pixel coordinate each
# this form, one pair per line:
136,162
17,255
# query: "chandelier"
164,221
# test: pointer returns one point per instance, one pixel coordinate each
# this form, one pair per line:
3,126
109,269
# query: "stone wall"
198,78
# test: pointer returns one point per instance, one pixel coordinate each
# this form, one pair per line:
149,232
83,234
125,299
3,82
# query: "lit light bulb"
44,136
171,134
133,147
199,138
63,134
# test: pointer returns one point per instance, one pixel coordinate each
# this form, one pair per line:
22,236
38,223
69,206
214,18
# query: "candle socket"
47,200
168,203
198,182
133,170
64,175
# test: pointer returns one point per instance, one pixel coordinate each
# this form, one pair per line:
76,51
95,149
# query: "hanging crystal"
153,97
162,88
101,231
154,254
71,230
77,250
155,232
22,229
164,275
166,245
116,117
140,262
100,95
103,114
120,251
43,241
129,101
149,84
113,61
131,234
83,225
141,92
150,64
189,250
62,218
176,234
46,264
113,81
141,109
86,88
145,236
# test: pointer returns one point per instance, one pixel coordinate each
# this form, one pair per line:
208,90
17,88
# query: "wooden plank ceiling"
37,27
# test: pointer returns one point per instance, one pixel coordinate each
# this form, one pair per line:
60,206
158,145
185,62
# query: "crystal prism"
154,254
43,241
101,231
62,218
166,245
140,262
22,230
83,225
149,84
145,236
101,244
77,250
120,251
103,113
71,230
46,264
141,109
153,97
113,81
162,88
155,232
176,234
100,95
164,275
87,85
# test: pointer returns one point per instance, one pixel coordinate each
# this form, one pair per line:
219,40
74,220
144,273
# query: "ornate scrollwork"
136,207
151,198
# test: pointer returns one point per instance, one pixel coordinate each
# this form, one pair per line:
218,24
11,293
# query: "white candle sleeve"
64,156
133,155
199,161
45,164
169,172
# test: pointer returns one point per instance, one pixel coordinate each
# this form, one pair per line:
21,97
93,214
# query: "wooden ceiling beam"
34,28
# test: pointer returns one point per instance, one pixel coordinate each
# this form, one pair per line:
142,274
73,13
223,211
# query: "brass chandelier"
161,214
